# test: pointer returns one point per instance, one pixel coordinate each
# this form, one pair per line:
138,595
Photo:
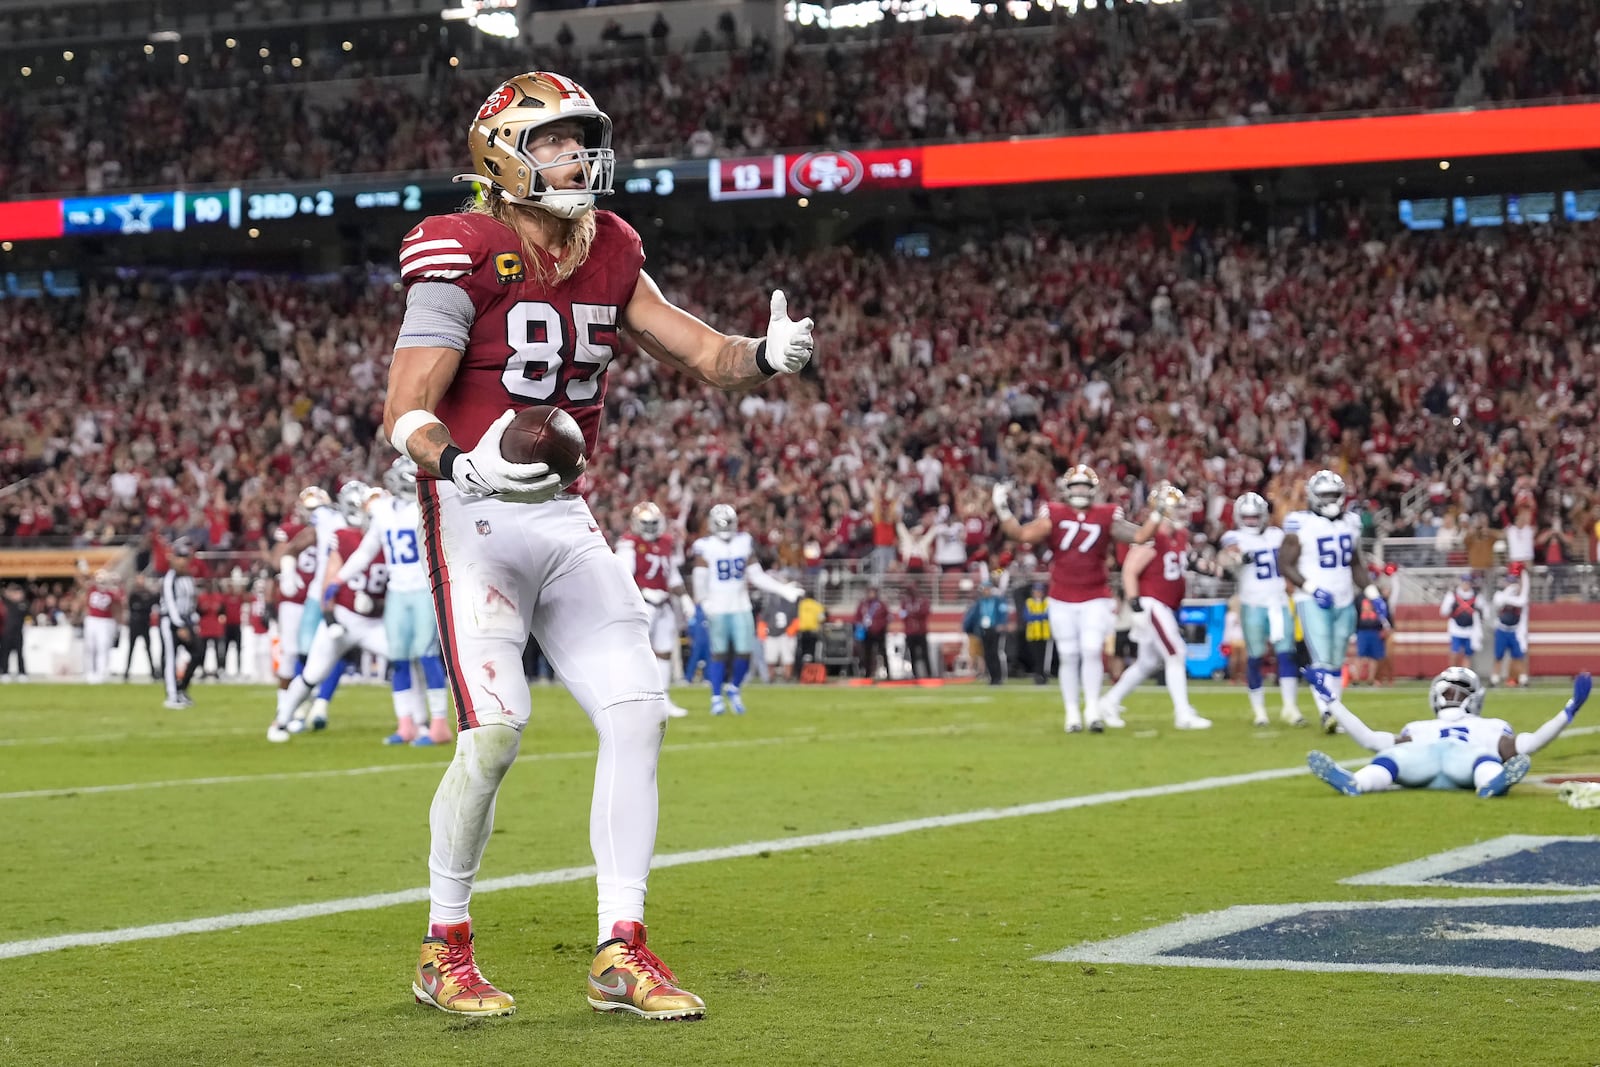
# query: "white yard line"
125,735
385,768
419,895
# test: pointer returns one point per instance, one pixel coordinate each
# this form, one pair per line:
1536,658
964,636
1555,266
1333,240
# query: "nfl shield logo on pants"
483,527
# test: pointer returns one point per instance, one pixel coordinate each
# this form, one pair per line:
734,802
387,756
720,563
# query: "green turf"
906,949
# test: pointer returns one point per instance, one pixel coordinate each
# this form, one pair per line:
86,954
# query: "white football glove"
791,591
1002,501
289,581
364,603
789,343
485,472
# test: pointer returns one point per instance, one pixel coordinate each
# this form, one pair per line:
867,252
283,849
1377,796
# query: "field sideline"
846,875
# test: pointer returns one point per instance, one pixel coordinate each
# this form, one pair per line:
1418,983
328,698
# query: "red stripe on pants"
439,577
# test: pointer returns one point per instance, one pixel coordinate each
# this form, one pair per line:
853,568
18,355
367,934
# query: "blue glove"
1317,679
1323,598
1580,693
328,596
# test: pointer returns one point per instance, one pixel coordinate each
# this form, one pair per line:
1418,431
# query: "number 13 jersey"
531,342
1079,544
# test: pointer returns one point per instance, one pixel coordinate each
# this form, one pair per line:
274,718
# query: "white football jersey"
1327,547
729,591
327,522
1260,583
394,523
1480,733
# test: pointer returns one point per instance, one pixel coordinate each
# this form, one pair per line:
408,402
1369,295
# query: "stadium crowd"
123,127
1448,376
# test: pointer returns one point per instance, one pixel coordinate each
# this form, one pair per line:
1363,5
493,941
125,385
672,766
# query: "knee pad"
1287,668
1252,672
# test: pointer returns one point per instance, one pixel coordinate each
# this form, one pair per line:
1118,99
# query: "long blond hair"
580,237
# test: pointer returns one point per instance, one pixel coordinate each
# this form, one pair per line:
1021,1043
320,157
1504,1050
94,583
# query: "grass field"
913,944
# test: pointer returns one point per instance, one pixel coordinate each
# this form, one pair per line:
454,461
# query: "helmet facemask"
1455,693
647,522
505,133
724,521
1250,512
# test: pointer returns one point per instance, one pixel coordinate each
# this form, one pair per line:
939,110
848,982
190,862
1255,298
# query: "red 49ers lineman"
1154,581
1080,531
102,611
645,552
522,301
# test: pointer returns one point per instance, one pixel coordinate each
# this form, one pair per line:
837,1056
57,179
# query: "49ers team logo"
826,172
497,102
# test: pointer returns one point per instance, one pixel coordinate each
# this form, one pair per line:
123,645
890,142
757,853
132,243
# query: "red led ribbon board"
1437,135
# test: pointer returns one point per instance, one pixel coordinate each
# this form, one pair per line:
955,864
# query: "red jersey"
305,564
530,343
210,607
1079,544
259,619
232,606
1163,578
652,562
373,582
101,602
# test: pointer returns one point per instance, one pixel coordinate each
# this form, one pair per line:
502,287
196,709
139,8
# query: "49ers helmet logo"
826,172
498,101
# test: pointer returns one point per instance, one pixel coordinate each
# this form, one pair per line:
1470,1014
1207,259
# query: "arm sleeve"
1446,604
757,576
363,556
1362,734
438,315
702,583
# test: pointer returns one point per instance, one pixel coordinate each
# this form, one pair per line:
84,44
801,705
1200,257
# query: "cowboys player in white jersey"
1321,560
725,567
1456,749
408,620
1253,546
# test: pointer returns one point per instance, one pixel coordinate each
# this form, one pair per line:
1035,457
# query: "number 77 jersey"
1327,548
530,342
1080,542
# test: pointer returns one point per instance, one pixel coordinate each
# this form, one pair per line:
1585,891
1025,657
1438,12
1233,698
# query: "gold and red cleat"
447,977
626,976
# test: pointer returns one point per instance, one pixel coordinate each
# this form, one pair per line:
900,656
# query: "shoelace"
459,964
648,962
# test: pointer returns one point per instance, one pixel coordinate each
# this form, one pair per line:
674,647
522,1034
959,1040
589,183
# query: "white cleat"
277,734
1074,724
296,726
675,711
717,707
1292,717
1192,721
1112,717
1261,720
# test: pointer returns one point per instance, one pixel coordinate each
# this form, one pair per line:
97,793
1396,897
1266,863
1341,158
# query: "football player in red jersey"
1080,531
522,301
102,618
1154,581
645,552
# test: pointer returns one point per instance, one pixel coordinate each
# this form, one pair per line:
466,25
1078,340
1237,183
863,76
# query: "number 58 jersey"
1327,547
530,342
1079,544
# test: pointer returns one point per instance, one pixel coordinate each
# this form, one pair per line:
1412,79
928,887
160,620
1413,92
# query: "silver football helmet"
1457,691
353,502
647,522
1250,512
1080,485
1325,494
724,521
401,478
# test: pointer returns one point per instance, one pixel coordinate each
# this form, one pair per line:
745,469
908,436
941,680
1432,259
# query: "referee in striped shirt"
179,620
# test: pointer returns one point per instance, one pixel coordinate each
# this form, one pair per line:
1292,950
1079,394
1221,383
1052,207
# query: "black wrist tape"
761,360
447,460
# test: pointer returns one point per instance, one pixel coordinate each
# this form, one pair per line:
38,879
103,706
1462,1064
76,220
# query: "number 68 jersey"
1080,540
530,342
1327,547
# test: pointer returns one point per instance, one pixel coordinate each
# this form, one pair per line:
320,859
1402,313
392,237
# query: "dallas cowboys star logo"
136,213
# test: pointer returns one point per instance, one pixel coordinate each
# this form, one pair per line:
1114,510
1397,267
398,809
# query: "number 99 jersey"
530,342
1079,544
1327,547
729,592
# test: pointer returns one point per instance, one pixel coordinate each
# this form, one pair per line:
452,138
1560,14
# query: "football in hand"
548,435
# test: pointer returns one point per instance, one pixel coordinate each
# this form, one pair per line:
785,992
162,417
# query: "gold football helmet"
1079,485
1171,504
501,139
647,521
